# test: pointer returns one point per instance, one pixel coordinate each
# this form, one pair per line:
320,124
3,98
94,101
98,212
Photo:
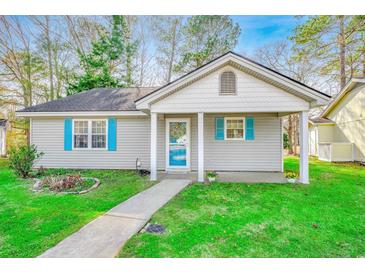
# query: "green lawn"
30,223
323,219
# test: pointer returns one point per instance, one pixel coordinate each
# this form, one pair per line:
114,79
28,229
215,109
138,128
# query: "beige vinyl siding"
132,142
261,154
325,133
341,152
349,116
253,95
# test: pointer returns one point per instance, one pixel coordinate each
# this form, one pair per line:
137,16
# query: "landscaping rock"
37,185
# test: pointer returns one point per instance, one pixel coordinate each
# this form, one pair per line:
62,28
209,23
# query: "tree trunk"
57,74
295,132
27,132
363,57
290,134
127,32
49,53
342,47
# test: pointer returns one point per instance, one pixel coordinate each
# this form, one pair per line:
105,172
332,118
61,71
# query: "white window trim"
89,134
243,127
220,84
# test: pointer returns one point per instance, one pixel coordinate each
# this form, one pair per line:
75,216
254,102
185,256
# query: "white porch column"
153,176
303,141
200,146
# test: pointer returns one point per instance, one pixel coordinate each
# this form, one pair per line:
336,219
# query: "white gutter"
81,114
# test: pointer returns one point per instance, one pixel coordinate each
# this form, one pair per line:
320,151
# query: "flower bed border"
95,185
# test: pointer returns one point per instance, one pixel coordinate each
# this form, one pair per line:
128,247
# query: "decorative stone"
37,185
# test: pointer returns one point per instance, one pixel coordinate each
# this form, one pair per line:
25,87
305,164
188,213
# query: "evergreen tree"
100,64
327,39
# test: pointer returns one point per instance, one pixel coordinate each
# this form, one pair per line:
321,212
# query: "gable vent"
228,83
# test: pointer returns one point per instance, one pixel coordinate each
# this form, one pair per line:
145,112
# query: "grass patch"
30,223
323,219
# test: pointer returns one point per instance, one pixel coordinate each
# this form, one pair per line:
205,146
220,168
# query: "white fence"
336,152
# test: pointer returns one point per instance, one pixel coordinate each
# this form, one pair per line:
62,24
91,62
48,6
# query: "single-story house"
225,116
3,124
338,134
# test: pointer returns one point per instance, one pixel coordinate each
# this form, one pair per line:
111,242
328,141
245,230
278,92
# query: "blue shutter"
219,128
250,128
112,134
67,134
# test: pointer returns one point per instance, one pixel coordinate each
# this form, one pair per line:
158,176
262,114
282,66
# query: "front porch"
251,161
229,176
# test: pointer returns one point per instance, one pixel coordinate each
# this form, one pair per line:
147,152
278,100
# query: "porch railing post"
153,170
201,147
303,142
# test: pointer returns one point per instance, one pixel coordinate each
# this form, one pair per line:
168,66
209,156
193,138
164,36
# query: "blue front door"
178,142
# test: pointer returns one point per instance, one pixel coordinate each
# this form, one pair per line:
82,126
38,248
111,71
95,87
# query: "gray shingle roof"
320,120
98,99
3,122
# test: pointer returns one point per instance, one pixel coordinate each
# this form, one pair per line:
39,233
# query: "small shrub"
291,175
212,174
40,172
22,159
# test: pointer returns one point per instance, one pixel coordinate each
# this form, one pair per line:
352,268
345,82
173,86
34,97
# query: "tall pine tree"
326,39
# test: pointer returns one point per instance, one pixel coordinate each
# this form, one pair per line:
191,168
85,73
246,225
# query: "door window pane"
178,133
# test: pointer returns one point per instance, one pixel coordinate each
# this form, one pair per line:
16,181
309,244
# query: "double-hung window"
234,128
81,134
98,134
89,134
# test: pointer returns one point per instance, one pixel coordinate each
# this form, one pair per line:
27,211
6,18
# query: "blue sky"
260,30
257,31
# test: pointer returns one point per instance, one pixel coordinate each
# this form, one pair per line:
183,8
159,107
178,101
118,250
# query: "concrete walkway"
106,235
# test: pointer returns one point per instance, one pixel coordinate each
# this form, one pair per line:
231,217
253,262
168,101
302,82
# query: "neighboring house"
3,124
223,116
338,135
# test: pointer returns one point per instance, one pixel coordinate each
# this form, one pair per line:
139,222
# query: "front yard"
30,223
323,219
